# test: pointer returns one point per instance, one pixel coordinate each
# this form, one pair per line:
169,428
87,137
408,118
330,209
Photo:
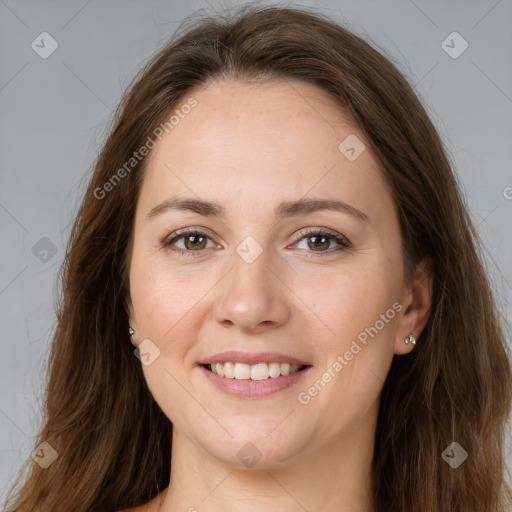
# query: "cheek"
171,304
164,310
161,293
353,299
358,309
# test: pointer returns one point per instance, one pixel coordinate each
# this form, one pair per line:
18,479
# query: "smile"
259,371
245,381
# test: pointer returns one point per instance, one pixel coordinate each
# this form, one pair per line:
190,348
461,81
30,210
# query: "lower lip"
247,388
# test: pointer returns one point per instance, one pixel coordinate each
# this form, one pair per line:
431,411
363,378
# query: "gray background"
54,113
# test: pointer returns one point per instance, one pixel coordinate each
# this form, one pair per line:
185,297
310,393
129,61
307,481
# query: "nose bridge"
251,294
251,270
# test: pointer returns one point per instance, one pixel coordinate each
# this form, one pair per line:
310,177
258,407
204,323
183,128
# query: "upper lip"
252,358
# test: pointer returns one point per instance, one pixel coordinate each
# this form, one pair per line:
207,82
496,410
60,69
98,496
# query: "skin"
250,147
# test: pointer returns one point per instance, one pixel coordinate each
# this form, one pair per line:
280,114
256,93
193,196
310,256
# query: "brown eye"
196,241
319,242
193,241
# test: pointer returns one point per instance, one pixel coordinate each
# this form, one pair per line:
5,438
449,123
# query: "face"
321,287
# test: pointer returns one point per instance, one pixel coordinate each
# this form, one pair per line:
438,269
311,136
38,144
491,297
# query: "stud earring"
131,331
410,339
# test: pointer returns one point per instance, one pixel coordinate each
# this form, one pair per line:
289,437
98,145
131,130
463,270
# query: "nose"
253,296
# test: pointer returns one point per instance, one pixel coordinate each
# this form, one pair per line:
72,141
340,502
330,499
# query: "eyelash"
343,242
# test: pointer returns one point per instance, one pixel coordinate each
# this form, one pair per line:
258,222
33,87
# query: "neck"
335,475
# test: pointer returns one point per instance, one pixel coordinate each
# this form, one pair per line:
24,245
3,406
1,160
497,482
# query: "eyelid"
183,233
342,241
323,231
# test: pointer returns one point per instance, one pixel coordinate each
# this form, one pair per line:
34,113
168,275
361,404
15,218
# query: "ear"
131,317
416,302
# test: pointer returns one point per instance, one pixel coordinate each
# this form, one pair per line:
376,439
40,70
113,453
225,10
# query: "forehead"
265,139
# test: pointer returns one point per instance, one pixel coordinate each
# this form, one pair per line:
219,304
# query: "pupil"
316,238
195,244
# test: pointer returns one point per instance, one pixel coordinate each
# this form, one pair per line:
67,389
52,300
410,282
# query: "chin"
252,451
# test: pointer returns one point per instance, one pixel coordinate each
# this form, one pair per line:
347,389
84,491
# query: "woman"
272,288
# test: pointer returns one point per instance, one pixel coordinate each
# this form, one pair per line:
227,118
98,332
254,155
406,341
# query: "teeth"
229,370
274,370
242,371
260,371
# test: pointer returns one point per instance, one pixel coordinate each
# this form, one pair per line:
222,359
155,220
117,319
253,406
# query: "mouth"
256,381
251,375
256,372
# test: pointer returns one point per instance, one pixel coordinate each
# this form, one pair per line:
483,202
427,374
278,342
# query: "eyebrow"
285,209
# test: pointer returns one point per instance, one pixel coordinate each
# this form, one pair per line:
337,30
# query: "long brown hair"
112,439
